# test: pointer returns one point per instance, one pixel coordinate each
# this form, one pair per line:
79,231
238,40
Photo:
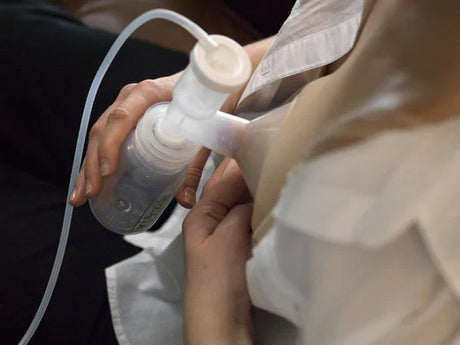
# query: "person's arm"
217,246
111,129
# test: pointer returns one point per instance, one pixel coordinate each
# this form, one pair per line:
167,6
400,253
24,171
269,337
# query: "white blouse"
316,33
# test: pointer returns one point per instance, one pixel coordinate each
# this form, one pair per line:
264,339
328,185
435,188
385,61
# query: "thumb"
213,206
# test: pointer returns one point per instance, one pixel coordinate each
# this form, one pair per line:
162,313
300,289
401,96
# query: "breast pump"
154,157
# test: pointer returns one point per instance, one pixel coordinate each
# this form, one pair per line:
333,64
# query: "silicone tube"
203,39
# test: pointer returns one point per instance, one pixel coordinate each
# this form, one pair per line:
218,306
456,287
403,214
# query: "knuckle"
119,114
214,210
96,131
155,88
195,172
149,84
126,89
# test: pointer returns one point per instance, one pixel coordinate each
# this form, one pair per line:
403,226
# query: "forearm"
217,245
213,327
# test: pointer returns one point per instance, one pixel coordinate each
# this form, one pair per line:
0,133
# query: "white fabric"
366,253
145,294
315,34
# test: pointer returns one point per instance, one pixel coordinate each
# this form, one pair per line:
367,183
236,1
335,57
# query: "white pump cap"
225,68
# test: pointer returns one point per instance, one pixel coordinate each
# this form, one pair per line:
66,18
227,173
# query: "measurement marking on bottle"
153,211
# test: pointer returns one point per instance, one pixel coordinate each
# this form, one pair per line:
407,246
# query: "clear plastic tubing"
205,41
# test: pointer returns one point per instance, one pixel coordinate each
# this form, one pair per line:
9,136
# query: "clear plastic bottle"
154,157
147,177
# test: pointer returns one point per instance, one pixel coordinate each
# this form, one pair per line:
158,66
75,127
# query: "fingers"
93,179
186,195
228,166
112,128
119,123
216,201
123,117
78,193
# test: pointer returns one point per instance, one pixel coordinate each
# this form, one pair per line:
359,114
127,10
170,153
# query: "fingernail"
73,196
230,167
88,188
189,196
104,166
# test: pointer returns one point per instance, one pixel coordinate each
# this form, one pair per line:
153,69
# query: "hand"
217,246
111,129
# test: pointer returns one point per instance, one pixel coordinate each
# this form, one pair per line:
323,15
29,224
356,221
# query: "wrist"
229,334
